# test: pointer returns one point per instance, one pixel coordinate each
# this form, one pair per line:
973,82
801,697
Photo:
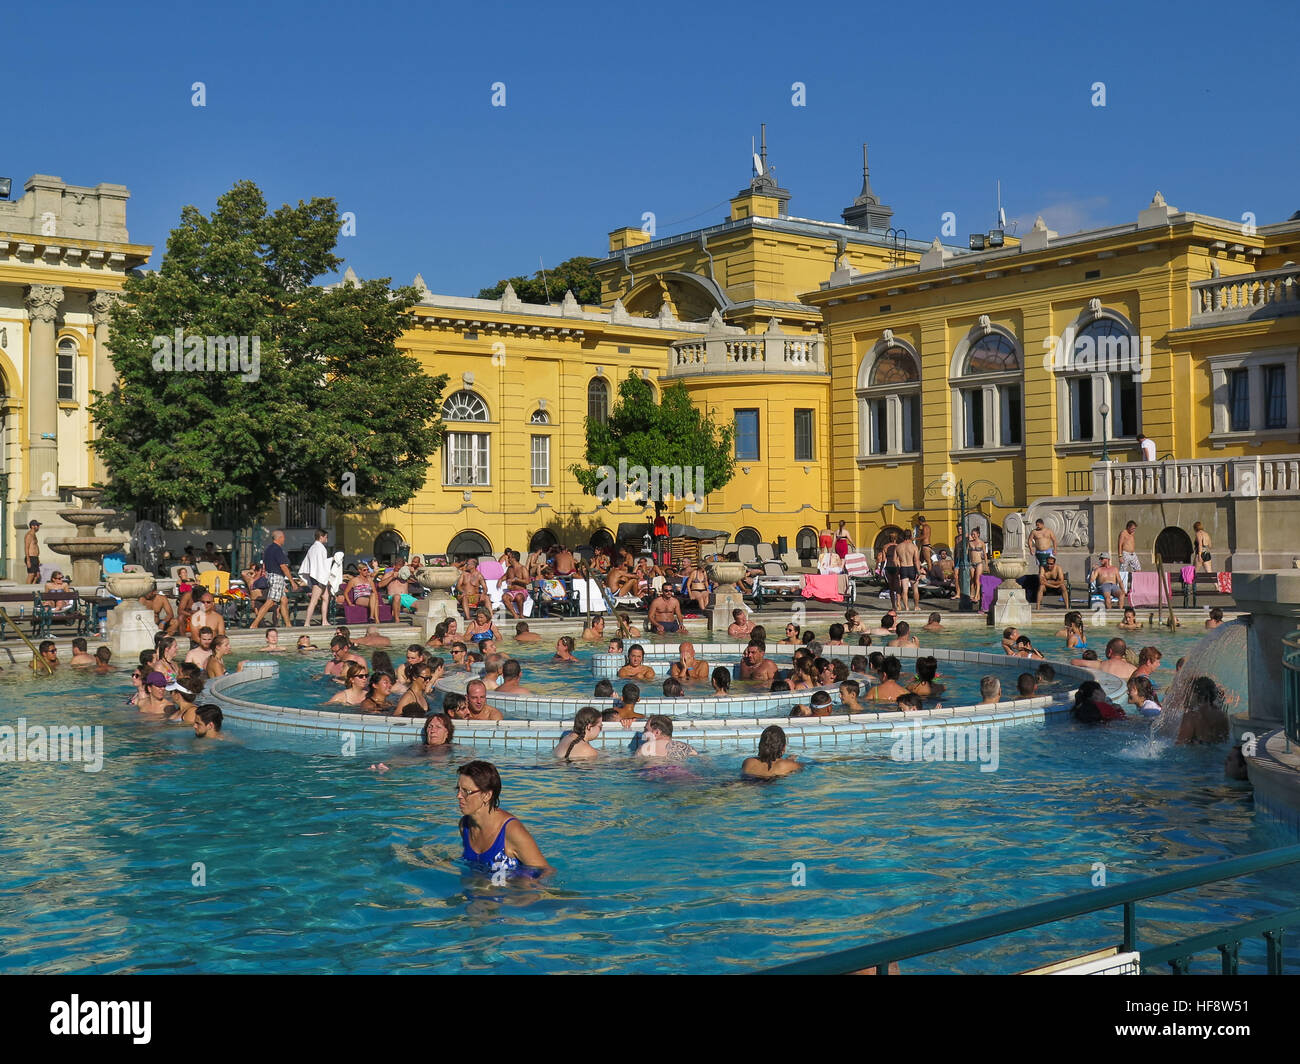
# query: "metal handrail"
880,955
1291,688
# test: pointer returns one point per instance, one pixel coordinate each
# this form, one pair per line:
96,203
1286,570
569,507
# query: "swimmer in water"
771,760
494,841
1204,722
587,723
658,741
207,722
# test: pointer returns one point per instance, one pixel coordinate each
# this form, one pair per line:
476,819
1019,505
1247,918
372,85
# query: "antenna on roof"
758,163
545,287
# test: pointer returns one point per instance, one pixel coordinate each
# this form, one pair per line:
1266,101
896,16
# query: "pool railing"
1178,955
1291,688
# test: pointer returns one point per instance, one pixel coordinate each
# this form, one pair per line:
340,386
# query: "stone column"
42,394
105,375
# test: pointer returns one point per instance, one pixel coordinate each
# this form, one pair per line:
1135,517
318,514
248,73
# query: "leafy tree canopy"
317,400
572,274
673,433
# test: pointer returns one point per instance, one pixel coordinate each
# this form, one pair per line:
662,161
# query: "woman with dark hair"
355,679
378,694
444,633
217,662
187,687
414,701
1142,693
165,663
1203,720
438,730
721,679
1090,705
586,726
494,841
924,685
381,662
791,635
770,761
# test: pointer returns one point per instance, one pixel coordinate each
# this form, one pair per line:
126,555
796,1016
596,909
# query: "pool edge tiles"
712,733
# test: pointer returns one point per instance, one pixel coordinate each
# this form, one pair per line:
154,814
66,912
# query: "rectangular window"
973,408
301,511
1009,395
803,435
467,459
1275,397
1124,413
1080,408
747,434
911,405
541,452
1239,400
67,384
877,427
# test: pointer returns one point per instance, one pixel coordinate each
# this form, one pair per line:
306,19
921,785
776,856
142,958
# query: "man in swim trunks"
636,669
754,664
1106,578
890,558
908,557
923,540
471,588
1127,545
665,613
1051,577
1042,541
32,551
516,580
163,614
688,666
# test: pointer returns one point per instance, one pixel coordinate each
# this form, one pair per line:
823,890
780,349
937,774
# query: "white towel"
335,578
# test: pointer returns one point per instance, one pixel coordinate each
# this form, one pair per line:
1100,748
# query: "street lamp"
1104,411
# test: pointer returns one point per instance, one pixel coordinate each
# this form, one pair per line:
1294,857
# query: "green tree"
322,403
571,275
671,434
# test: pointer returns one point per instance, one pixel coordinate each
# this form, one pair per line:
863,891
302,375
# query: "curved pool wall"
708,724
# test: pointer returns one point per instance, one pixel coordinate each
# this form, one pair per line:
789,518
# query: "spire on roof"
867,212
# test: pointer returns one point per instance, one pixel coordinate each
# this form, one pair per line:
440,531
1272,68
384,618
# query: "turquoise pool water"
311,862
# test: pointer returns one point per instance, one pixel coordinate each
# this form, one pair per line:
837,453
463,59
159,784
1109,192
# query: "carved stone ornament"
1094,306
43,302
887,336
102,305
986,326
1070,526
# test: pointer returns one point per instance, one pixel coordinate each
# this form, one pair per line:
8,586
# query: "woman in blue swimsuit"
494,840
481,629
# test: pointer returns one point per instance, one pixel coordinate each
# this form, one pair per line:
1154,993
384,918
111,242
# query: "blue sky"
388,108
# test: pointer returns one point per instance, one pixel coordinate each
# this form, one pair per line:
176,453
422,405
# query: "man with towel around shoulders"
315,570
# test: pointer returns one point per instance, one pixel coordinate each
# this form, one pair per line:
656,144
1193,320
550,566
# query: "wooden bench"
1204,584
21,608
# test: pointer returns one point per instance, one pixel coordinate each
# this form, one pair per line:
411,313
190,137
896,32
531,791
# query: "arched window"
601,539
67,370
598,400
388,546
889,401
540,417
987,391
468,545
883,537
1173,545
805,545
1099,375
748,537
543,539
467,454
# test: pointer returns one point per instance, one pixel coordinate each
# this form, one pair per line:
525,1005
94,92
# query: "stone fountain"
1011,608
131,626
437,605
86,549
725,598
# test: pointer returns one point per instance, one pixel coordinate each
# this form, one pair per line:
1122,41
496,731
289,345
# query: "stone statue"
1013,535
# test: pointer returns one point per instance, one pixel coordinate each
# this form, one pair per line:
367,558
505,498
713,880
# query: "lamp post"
1104,410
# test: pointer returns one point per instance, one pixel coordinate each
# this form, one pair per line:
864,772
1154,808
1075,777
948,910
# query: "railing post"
1130,927
1230,951
1273,940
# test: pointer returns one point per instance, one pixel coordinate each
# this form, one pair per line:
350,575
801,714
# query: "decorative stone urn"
725,595
437,605
1010,569
131,627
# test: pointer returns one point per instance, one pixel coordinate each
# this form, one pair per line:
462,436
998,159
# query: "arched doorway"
805,545
1174,546
389,547
601,539
468,545
543,539
882,537
748,537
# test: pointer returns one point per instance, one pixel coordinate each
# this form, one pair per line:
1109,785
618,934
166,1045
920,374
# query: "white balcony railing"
769,352
1267,294
1198,478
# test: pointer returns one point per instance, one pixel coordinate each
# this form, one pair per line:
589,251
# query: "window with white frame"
889,402
67,371
541,461
988,386
467,453
1254,393
1099,391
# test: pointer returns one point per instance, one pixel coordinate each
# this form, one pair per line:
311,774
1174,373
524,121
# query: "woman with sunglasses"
494,841
791,635
360,591
355,681
414,702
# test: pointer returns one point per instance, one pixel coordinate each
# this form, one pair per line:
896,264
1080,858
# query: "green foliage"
671,433
333,409
571,275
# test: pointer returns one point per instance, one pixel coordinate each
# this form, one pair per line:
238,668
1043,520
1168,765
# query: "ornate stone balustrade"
728,350
1198,478
1267,294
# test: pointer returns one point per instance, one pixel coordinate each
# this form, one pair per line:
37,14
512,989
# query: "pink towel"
1144,588
1188,573
1225,583
826,588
